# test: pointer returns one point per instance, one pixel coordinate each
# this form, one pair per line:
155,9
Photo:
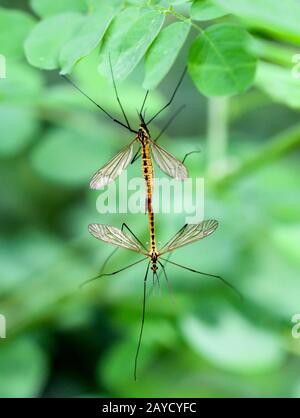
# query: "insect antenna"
142,323
117,95
167,280
143,104
172,97
95,103
111,274
172,118
209,275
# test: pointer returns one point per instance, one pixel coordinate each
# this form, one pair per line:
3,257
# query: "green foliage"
114,36
44,8
227,343
279,84
161,55
86,155
119,32
219,53
87,37
206,10
280,18
135,42
14,28
220,61
44,44
62,341
23,369
18,127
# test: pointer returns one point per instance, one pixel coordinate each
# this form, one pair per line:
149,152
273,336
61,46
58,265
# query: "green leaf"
42,47
95,4
114,35
278,83
287,240
24,84
45,8
273,284
206,10
87,37
219,62
163,52
18,127
24,253
276,17
23,369
135,42
68,157
14,28
233,343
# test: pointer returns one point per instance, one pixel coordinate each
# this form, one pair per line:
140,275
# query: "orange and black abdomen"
147,168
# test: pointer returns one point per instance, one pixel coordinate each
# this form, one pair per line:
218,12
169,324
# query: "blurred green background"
63,341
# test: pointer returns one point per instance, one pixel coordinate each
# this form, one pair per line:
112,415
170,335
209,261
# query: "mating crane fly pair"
170,166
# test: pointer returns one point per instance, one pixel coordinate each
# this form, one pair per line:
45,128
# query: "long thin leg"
117,95
158,283
190,153
124,225
137,155
107,260
95,103
113,273
172,97
169,122
167,280
142,323
181,230
209,275
129,230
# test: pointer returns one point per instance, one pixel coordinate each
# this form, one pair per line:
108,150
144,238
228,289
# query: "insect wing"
167,163
112,169
189,234
114,236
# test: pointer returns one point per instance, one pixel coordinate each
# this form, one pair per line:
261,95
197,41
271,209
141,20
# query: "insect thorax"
143,135
154,256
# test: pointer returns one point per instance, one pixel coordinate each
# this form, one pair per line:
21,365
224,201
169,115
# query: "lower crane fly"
188,234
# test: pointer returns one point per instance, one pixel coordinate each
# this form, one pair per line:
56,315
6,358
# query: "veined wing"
167,163
189,234
112,169
115,236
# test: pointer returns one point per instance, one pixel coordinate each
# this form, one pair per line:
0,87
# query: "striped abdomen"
147,168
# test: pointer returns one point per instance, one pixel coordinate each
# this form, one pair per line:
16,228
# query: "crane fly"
166,161
188,234
148,148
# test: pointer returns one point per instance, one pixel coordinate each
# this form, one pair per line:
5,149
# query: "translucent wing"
112,169
115,236
167,163
189,234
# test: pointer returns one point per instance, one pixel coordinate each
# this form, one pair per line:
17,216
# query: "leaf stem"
217,135
276,147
